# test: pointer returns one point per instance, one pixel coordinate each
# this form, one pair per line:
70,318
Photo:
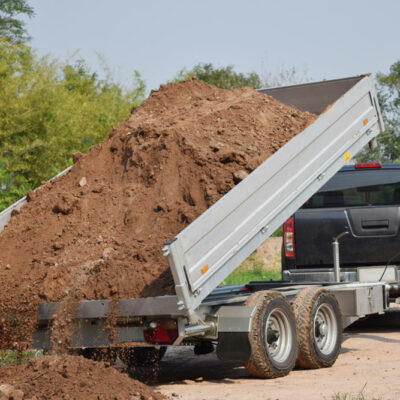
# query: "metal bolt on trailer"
269,326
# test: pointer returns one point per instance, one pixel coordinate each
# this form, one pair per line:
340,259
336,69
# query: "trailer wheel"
98,354
272,337
142,356
319,328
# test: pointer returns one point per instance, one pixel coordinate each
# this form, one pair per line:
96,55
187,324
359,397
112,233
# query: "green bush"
48,111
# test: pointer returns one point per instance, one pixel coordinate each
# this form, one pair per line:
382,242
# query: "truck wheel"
272,337
319,328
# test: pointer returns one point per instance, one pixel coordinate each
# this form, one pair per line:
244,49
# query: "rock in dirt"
82,182
8,392
238,176
65,204
175,156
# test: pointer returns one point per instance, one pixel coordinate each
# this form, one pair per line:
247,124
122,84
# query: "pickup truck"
363,198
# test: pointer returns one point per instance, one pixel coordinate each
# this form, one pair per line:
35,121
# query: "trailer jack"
336,256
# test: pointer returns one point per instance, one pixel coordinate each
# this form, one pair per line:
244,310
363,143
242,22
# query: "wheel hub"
325,331
277,336
272,335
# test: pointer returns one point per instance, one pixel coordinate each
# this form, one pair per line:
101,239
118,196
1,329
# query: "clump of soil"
70,377
101,227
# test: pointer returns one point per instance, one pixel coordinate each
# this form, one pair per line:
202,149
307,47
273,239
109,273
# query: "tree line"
51,109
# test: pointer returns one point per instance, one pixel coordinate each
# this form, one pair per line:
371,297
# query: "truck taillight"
288,238
368,165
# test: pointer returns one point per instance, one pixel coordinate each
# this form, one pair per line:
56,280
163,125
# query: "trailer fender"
234,324
234,346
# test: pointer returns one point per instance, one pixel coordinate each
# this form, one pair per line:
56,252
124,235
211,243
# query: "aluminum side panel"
238,223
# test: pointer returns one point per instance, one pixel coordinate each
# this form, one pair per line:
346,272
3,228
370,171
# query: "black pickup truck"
363,199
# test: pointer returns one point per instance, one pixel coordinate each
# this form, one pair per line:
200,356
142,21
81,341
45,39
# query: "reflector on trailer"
165,332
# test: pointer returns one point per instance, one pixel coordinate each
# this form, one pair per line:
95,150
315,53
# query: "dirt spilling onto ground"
98,231
70,377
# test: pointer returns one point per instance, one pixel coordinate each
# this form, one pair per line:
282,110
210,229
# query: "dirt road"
369,358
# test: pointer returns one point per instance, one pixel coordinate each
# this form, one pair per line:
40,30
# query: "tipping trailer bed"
214,245
210,248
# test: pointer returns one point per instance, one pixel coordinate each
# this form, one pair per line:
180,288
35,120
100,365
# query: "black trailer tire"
98,354
143,363
141,356
319,328
272,337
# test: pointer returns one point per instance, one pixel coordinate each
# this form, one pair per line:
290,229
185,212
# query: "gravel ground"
370,359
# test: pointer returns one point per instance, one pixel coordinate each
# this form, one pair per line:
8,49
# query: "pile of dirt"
100,228
70,377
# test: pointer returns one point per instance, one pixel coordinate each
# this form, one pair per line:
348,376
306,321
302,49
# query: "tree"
228,78
223,77
388,149
48,111
10,26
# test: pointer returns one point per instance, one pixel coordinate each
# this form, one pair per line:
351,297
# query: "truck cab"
363,199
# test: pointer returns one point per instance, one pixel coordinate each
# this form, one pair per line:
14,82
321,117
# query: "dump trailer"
268,326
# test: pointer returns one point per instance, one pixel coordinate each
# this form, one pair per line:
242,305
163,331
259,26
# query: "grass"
348,396
8,357
278,232
256,274
358,396
253,269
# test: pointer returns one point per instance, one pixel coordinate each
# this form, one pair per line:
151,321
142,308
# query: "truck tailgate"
373,239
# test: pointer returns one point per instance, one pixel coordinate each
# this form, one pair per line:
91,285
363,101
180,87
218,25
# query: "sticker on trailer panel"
346,156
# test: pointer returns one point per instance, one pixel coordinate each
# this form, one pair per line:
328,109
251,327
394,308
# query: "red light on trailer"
161,334
288,238
368,165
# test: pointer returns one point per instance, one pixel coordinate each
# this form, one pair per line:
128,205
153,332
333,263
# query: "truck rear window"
378,195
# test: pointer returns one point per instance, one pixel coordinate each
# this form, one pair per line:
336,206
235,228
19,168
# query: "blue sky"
327,39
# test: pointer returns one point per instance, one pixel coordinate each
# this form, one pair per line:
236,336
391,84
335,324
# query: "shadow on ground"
180,365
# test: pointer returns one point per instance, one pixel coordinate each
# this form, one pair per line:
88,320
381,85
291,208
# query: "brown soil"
98,231
70,377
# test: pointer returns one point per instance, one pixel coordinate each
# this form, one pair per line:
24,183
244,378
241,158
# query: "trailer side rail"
214,245
5,215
